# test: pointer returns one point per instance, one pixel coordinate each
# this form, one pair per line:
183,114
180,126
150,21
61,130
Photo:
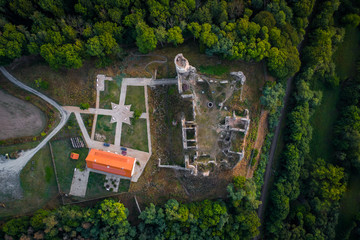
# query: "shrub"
43,134
84,106
41,84
137,114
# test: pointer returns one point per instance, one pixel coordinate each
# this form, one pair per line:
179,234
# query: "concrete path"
79,183
120,114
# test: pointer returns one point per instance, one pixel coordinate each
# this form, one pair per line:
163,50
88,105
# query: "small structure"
111,163
74,156
239,76
183,70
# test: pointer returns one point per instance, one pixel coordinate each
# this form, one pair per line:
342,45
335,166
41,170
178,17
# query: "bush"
81,165
16,226
84,106
41,84
137,114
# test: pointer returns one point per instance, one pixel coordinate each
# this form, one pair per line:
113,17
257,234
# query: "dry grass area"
157,185
66,86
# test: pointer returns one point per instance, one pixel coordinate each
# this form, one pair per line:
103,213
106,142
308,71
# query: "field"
105,131
322,122
347,54
136,97
135,135
64,165
345,59
110,94
66,86
18,147
19,118
37,179
37,113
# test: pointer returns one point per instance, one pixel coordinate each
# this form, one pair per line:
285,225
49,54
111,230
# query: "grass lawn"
68,87
38,182
17,147
88,121
136,97
95,187
64,165
135,135
71,129
217,70
110,94
322,122
105,128
349,207
347,54
345,59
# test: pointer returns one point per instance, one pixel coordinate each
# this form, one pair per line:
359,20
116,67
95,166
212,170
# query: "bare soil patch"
19,118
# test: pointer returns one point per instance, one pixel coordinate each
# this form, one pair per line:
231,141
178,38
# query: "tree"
12,43
145,38
195,29
15,227
328,180
36,220
207,37
273,95
174,36
265,18
161,35
351,19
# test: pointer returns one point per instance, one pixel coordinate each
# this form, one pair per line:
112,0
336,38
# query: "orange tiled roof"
74,156
110,162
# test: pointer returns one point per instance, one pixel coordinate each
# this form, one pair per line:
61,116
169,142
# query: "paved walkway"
120,114
79,183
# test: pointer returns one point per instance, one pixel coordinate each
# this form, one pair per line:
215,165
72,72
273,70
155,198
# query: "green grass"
136,97
64,165
347,54
349,207
135,135
104,127
38,182
95,186
322,122
345,59
110,94
88,121
124,185
17,147
217,70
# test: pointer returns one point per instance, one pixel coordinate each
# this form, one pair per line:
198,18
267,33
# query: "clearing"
19,118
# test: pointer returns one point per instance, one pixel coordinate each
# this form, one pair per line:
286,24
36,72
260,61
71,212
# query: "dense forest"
65,33
304,200
234,219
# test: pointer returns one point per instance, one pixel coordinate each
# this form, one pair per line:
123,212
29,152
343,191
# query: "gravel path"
10,170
